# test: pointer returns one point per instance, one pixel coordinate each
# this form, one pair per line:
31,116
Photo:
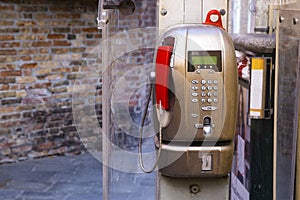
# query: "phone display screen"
210,60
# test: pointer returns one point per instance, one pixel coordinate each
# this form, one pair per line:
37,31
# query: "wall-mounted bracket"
126,7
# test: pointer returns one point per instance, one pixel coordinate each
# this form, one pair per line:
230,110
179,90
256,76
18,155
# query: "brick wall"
42,49
130,73
45,48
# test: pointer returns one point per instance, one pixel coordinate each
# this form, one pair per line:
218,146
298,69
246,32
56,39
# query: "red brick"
28,8
26,79
26,23
24,108
41,44
61,43
9,44
29,65
22,149
58,23
11,101
27,51
26,36
76,30
11,73
5,80
90,30
76,23
40,85
4,87
77,49
13,87
7,52
27,15
55,77
8,59
91,42
97,36
41,37
6,23
9,30
59,50
7,109
56,36
62,70
25,58
42,57
47,145
7,8
75,69
6,37
7,145
9,15
67,16
42,28
44,50
62,30
12,116
7,66
43,16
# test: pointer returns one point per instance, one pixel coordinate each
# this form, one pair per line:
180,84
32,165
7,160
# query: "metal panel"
298,158
287,102
193,11
205,189
171,12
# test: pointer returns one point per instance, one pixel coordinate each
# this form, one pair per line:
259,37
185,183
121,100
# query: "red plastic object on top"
162,68
218,22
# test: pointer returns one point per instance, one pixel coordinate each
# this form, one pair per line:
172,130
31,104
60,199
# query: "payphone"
196,100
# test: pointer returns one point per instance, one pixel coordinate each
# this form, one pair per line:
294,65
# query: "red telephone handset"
162,69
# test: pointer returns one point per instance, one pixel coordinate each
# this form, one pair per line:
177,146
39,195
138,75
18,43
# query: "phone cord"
140,149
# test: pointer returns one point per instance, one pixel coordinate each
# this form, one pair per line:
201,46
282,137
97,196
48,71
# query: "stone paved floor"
69,178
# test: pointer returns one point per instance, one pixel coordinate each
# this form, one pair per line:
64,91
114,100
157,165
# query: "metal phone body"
203,102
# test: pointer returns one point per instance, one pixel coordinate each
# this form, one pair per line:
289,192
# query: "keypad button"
215,94
208,108
215,88
194,94
209,94
216,81
209,88
215,100
203,88
203,81
195,100
203,94
194,88
209,100
209,82
195,81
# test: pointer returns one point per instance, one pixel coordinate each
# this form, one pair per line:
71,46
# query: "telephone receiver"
162,68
